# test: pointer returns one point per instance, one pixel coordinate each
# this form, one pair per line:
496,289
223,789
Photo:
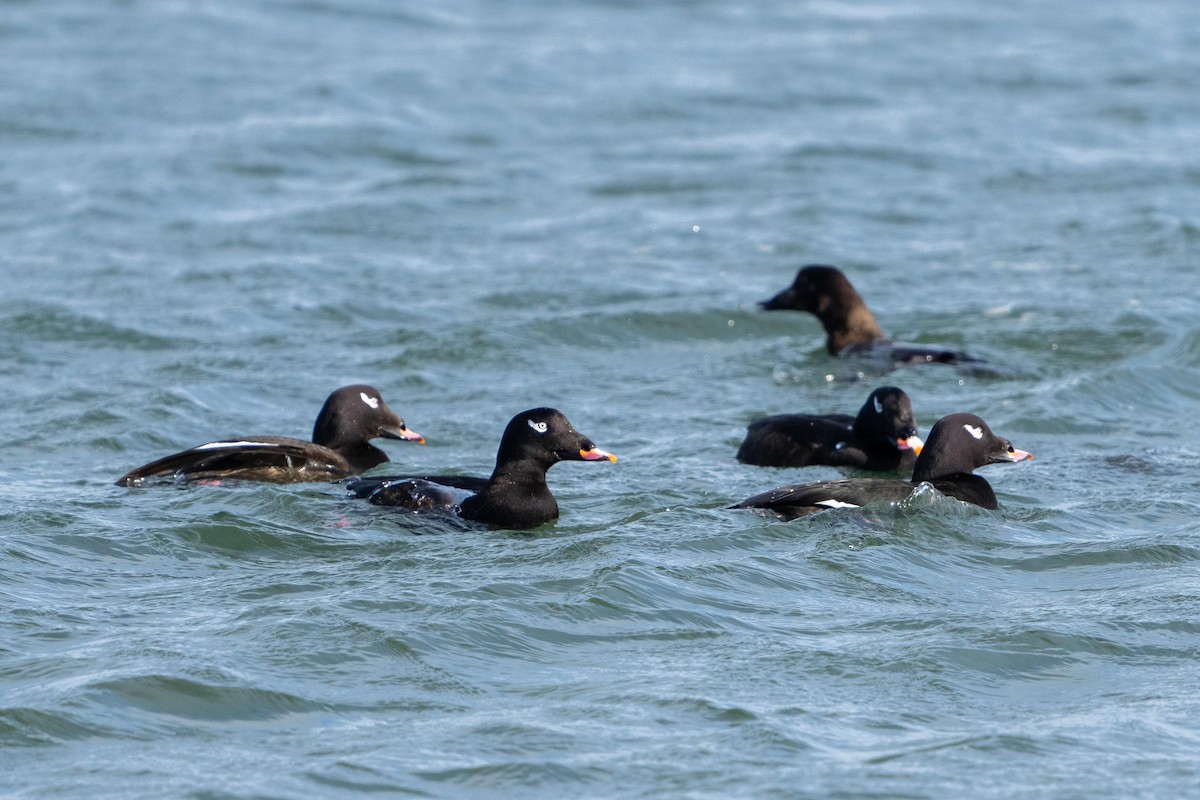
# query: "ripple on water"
52,324
201,702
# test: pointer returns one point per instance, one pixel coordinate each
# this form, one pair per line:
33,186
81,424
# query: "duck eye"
540,427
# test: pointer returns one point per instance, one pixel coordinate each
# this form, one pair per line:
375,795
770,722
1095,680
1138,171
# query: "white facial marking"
217,445
540,427
878,405
976,432
373,402
836,504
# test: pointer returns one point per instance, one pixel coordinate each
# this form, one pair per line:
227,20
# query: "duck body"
882,437
957,445
349,419
516,496
268,459
891,355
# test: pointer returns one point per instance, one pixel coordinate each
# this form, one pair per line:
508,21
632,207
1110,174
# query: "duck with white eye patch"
850,327
883,437
516,495
340,447
957,445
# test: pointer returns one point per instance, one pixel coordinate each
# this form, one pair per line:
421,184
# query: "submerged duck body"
850,327
516,495
882,437
957,445
340,447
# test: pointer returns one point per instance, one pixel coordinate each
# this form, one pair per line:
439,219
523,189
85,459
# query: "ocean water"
214,213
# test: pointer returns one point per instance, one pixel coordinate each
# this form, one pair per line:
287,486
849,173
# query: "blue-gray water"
212,214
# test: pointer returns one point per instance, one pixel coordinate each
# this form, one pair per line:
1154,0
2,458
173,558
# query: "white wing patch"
540,427
878,405
373,402
220,445
835,504
976,432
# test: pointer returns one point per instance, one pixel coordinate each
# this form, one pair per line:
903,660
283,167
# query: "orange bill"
596,454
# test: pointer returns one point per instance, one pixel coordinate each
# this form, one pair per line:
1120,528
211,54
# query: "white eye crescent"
878,405
373,402
976,432
540,427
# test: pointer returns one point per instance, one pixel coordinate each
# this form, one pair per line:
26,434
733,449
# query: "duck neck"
516,497
519,472
362,455
855,325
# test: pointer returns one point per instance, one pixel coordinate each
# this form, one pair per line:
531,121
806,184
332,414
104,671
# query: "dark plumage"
515,496
882,437
350,418
957,445
850,327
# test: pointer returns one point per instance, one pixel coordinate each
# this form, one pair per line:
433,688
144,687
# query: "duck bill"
780,302
401,432
1019,455
913,443
596,454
